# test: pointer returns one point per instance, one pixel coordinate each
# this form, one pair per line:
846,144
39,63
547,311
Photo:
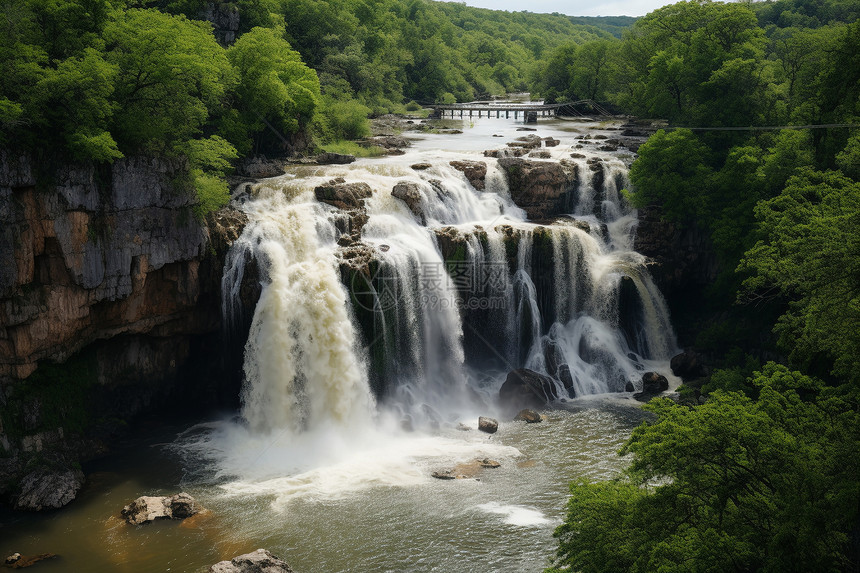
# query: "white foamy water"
515,515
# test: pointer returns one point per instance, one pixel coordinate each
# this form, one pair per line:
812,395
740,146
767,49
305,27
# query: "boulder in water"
530,141
475,172
259,561
328,158
421,166
629,387
149,508
688,365
550,141
528,416
409,193
45,489
526,388
544,189
488,425
652,384
343,195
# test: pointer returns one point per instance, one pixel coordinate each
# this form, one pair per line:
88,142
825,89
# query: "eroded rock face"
475,172
146,509
108,277
224,17
543,189
259,561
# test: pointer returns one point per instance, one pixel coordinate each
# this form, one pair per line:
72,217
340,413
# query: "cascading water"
436,261
301,368
422,301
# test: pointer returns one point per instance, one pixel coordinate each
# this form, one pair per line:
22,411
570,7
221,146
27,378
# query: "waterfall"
301,369
459,284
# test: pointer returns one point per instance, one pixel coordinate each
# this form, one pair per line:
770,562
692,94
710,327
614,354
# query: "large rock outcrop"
543,189
109,307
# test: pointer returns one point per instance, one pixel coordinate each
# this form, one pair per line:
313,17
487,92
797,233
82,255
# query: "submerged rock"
149,508
542,154
488,425
259,561
527,415
44,489
466,470
18,561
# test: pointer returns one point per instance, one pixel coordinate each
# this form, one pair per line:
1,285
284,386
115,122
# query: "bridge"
529,111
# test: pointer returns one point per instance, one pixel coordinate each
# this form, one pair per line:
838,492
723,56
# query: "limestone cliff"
109,303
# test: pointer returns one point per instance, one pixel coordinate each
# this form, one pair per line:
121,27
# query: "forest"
756,466
757,469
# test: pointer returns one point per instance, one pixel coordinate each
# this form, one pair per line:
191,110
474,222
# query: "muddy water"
500,521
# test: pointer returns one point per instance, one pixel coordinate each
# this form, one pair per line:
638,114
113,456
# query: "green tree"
276,91
810,254
736,484
673,170
170,74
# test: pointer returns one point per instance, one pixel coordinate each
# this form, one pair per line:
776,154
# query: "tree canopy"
736,484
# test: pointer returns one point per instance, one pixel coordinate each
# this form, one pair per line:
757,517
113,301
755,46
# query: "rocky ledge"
109,307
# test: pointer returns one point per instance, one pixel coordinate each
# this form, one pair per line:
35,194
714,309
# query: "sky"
575,7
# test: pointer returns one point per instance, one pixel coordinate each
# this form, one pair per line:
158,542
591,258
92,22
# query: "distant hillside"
615,25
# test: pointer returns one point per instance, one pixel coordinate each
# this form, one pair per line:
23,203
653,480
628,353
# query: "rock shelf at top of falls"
428,286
